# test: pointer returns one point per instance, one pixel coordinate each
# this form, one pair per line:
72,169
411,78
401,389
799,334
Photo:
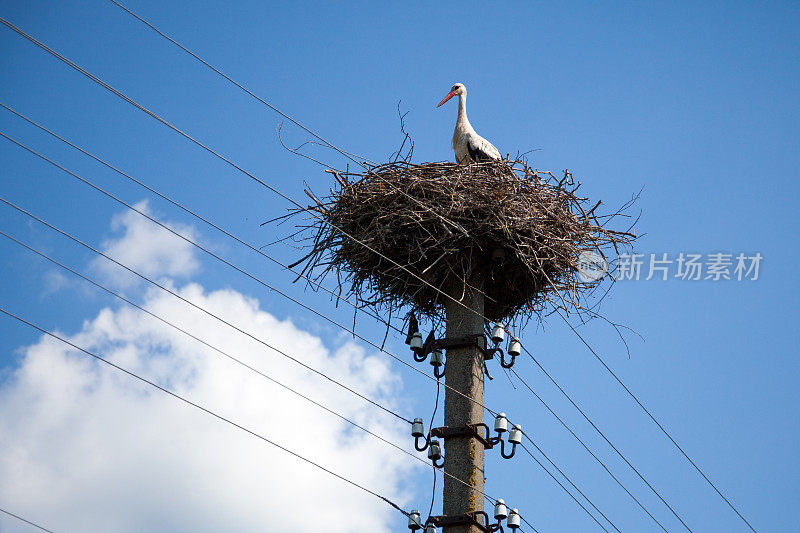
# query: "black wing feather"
476,154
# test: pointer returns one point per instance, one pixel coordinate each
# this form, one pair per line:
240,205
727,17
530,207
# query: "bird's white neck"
462,121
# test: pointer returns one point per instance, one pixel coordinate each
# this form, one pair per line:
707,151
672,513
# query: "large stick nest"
399,233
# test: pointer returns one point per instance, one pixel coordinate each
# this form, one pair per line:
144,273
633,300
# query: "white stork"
467,144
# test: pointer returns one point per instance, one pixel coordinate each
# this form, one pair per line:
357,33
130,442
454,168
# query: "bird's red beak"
446,98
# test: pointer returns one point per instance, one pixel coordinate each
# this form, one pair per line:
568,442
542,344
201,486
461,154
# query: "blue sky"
694,104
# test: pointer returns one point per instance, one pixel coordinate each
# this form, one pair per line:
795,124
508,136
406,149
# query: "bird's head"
457,89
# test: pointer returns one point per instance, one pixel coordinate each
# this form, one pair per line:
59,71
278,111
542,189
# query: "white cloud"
84,447
147,248
54,281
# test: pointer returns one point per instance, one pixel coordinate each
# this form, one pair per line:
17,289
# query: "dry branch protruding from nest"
516,233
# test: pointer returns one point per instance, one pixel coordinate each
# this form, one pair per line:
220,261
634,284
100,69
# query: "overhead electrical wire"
86,278
208,222
596,458
565,476
201,408
21,145
433,416
276,191
9,513
315,283
118,93
653,418
546,373
565,488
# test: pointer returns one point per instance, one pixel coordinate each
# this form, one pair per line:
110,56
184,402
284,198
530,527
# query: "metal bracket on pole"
477,340
471,430
468,519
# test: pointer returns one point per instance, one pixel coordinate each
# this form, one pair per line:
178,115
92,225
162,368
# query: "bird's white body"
469,147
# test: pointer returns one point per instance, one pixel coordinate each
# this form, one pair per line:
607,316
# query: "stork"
467,144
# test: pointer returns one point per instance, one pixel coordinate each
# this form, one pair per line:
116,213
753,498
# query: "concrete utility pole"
464,455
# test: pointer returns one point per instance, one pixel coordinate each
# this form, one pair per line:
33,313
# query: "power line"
433,415
228,161
588,450
485,495
225,354
563,487
233,266
177,204
129,177
571,483
202,309
546,373
204,409
162,120
24,520
155,116
653,418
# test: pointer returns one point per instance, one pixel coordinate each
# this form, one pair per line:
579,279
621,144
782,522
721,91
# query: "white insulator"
514,347
501,423
430,528
437,359
416,341
515,435
498,333
417,429
513,519
434,451
414,520
500,510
